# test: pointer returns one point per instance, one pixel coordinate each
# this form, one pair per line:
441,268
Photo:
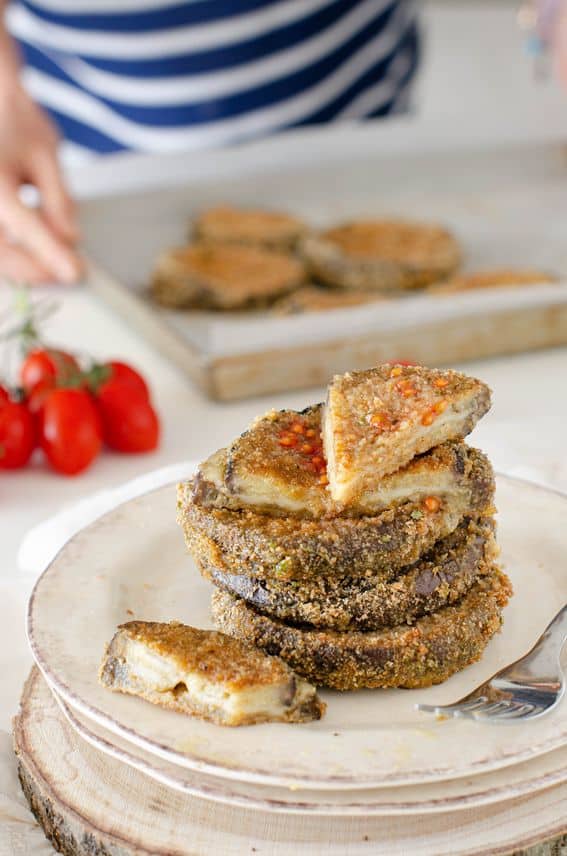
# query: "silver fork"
528,688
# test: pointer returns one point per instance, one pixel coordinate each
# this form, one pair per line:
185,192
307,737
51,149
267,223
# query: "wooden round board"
132,563
91,805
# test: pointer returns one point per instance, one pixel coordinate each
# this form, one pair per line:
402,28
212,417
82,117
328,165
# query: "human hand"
36,244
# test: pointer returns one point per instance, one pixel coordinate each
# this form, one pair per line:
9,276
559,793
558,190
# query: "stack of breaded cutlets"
356,539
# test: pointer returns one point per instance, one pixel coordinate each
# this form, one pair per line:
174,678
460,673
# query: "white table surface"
525,431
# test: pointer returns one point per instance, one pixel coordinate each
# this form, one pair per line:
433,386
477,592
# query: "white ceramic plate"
132,562
529,777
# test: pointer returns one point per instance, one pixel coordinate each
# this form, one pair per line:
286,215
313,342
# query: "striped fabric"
157,75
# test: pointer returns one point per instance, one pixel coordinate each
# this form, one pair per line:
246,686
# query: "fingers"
29,230
56,204
19,266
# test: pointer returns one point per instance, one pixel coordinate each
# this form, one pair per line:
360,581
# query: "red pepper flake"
306,448
440,406
297,428
311,432
432,504
396,371
323,479
440,382
406,388
382,421
288,441
428,417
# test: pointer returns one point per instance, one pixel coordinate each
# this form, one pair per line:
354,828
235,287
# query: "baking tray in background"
506,205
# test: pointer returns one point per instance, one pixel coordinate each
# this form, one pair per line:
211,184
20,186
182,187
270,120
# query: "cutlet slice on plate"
378,420
277,466
207,674
275,230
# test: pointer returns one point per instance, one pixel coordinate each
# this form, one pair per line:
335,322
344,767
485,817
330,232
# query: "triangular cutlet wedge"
207,674
278,467
378,420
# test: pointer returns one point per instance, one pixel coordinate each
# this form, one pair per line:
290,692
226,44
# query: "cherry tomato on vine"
123,373
44,364
17,435
36,398
71,431
130,423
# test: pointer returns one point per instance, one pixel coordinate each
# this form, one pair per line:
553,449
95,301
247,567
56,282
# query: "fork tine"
431,708
494,708
452,709
517,711
473,704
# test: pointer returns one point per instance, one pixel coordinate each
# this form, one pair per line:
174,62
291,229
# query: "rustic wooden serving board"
506,206
91,805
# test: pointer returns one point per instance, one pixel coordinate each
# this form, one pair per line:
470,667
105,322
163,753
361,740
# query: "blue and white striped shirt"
158,75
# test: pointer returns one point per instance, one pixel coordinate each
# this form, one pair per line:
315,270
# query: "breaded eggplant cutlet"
207,674
257,227
278,467
377,421
344,603
264,546
496,278
223,276
420,655
382,255
314,298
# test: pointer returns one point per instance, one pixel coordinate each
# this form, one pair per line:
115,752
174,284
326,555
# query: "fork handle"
547,650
